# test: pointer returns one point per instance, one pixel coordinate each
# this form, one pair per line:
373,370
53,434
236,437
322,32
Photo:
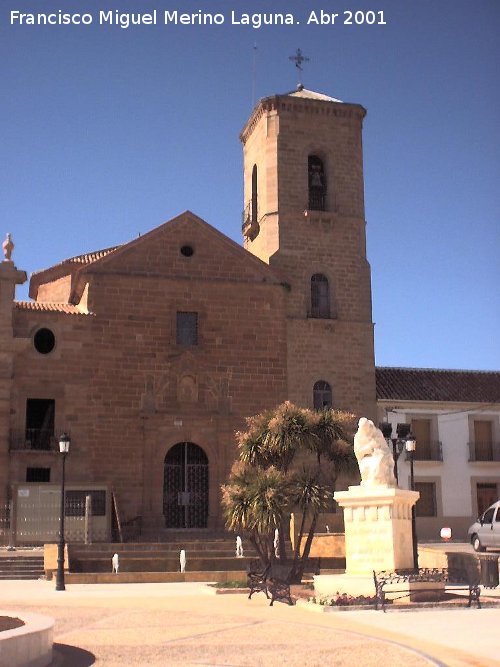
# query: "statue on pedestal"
8,247
375,461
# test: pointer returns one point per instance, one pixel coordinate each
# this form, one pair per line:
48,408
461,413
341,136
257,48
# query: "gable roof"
245,265
429,384
158,253
191,225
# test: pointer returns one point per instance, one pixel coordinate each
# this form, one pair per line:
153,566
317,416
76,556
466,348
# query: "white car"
485,531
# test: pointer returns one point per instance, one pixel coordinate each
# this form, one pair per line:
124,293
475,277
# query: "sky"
107,132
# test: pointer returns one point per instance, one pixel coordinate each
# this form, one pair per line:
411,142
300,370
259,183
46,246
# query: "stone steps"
21,567
158,547
157,564
158,560
153,577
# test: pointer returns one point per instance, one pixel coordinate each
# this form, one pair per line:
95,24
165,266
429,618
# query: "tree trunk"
299,564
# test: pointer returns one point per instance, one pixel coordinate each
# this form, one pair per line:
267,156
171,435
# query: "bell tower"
304,216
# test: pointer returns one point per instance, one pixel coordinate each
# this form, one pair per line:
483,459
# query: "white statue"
276,543
375,461
115,564
182,560
239,547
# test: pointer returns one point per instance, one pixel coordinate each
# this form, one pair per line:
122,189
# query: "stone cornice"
287,103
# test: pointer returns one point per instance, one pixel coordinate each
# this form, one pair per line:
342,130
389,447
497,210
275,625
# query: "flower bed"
345,600
9,623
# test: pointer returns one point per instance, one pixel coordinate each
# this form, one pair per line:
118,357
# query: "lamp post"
411,445
64,442
398,444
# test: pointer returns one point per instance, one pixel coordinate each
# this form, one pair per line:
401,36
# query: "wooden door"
487,494
421,429
483,440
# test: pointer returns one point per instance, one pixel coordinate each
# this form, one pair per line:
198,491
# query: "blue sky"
108,132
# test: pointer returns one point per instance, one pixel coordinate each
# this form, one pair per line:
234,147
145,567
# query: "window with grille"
187,328
322,395
74,502
40,415
38,474
426,504
320,296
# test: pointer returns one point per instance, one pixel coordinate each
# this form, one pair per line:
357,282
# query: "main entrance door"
185,487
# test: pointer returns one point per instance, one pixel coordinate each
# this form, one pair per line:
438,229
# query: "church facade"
151,354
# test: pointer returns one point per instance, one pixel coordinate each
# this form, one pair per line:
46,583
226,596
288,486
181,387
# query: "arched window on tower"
322,395
317,183
254,215
320,296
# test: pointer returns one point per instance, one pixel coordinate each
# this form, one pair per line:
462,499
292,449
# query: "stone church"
151,354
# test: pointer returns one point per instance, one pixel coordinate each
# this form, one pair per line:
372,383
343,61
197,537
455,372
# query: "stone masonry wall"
127,392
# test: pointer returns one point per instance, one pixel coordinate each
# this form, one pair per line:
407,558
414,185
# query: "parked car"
485,531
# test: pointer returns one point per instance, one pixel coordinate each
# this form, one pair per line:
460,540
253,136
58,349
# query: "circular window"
44,341
187,251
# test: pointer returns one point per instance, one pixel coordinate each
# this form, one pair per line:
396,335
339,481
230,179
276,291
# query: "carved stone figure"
8,247
276,543
182,560
239,547
375,461
115,564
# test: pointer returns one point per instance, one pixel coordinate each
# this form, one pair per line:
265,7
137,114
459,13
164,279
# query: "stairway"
208,559
21,566
205,555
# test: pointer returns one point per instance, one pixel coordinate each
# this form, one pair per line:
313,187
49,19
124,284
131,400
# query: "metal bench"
279,583
456,578
257,578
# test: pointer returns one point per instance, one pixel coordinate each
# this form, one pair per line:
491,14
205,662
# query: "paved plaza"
187,624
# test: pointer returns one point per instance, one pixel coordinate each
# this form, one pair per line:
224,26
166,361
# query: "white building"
455,417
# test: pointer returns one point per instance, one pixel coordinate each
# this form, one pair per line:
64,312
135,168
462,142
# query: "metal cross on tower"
298,59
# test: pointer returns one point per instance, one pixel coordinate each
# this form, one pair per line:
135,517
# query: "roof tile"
47,307
428,384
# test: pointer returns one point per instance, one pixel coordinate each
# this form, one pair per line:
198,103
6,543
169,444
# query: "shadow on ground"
71,656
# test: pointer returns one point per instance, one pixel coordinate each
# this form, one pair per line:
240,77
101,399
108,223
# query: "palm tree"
289,459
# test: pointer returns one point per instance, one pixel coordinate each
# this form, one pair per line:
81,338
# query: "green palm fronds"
264,485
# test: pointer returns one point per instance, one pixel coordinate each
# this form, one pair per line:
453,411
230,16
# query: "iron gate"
185,487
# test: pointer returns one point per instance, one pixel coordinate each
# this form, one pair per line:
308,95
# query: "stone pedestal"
377,528
378,536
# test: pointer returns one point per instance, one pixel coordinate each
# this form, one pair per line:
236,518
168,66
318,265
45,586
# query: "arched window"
322,395
320,296
317,183
254,216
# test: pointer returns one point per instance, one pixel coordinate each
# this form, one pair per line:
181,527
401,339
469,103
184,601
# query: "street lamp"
411,445
64,442
398,444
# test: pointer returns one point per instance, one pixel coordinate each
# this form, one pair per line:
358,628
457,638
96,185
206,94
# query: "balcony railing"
484,451
33,439
250,227
432,450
